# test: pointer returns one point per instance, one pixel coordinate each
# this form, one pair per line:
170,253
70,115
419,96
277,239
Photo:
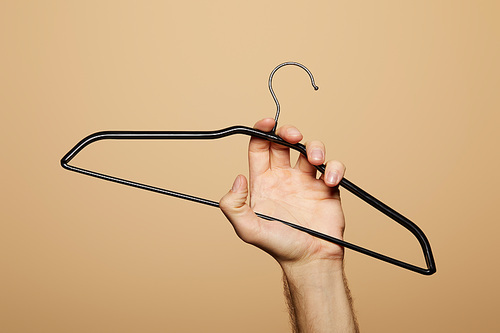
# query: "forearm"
318,297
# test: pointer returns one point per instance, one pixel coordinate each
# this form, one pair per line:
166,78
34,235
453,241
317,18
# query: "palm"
296,197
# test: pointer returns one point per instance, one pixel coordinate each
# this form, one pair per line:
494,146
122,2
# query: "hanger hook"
272,91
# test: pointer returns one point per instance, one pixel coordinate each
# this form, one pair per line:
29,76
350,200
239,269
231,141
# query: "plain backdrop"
408,100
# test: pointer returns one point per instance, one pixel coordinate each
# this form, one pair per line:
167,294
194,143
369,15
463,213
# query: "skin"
315,285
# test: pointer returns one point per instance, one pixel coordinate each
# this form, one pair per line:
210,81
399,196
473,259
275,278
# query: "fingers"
279,154
334,173
316,153
258,149
234,206
262,154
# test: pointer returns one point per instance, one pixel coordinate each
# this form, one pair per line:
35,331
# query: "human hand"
289,193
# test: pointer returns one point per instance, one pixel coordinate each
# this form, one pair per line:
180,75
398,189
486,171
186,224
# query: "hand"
293,194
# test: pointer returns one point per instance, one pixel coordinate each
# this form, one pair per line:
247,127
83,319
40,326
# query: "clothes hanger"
270,136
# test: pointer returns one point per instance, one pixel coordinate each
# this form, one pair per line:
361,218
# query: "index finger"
258,149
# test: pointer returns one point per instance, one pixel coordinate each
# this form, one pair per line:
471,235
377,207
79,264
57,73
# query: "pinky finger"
334,173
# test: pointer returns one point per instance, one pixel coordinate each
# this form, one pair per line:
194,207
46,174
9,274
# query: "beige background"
408,100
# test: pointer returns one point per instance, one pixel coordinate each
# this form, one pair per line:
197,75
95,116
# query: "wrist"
312,270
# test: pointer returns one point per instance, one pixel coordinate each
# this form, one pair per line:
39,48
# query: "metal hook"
272,91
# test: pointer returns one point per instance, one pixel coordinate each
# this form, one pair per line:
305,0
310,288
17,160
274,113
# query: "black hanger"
271,136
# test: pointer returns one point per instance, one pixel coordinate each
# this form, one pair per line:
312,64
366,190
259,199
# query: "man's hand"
315,286
290,193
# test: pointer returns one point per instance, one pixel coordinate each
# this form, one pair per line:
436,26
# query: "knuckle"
316,143
313,145
224,203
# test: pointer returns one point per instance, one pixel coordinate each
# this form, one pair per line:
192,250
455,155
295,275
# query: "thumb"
234,206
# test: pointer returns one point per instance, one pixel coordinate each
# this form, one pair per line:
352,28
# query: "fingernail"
331,177
317,155
236,184
293,131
